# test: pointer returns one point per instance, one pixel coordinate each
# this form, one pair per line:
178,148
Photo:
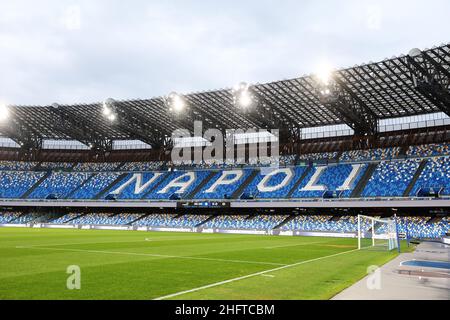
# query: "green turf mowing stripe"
250,275
152,255
296,244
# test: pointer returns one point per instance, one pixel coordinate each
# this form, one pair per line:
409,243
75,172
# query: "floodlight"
109,110
4,112
243,96
106,110
176,103
111,117
324,73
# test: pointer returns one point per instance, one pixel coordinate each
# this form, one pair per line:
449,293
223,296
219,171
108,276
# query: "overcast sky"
86,51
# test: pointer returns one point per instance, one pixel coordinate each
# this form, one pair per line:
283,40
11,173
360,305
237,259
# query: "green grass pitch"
141,265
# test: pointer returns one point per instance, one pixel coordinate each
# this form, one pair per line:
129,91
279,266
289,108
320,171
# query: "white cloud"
71,18
85,51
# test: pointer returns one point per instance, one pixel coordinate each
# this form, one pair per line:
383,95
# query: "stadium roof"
413,84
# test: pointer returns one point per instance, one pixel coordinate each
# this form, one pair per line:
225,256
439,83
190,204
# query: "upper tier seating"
287,160
391,178
222,191
276,179
91,181
96,166
318,156
332,178
133,190
166,193
17,165
93,186
429,150
13,184
142,166
55,165
59,184
436,174
374,154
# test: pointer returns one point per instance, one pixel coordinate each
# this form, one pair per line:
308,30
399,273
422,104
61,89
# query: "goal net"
376,233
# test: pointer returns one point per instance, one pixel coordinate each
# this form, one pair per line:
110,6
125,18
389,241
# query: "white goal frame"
386,239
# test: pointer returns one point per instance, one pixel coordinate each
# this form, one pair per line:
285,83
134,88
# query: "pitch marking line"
250,275
159,239
296,244
155,255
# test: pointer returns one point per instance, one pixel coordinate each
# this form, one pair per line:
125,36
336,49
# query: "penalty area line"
250,275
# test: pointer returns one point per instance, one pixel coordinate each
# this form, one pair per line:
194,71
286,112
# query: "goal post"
377,233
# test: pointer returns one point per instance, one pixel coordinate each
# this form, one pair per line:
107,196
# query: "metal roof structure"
413,84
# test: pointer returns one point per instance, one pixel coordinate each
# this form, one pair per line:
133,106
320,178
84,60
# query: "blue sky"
86,51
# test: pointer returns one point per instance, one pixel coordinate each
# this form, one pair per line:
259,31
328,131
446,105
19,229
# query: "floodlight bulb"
324,73
177,103
245,100
112,117
106,111
4,112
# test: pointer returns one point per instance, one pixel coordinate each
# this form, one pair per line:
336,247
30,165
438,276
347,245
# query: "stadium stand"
259,222
318,156
391,178
213,191
96,166
66,218
13,184
142,166
93,185
423,228
93,218
55,165
285,179
370,155
429,150
59,184
420,227
155,220
17,165
331,178
185,221
27,218
9,217
436,174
